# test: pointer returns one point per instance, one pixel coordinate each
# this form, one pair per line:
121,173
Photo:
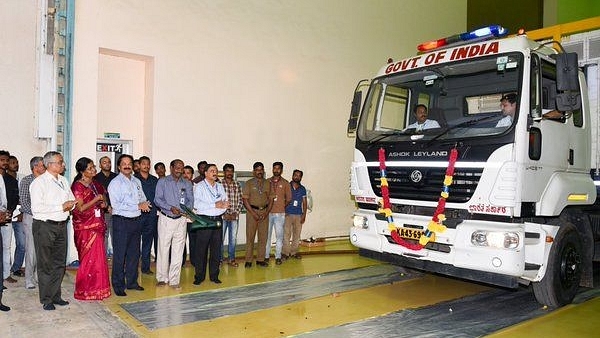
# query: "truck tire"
563,274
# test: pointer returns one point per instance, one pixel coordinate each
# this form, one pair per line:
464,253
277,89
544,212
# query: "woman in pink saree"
89,227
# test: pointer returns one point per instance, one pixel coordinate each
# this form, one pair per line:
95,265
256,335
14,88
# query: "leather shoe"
278,261
138,288
263,263
4,307
198,281
49,307
19,273
248,265
60,302
120,293
216,281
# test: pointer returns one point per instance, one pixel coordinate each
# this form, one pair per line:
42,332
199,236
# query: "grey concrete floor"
27,318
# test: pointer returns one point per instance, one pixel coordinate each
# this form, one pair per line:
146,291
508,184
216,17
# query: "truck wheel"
561,281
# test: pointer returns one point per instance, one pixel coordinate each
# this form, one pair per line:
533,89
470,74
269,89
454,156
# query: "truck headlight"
494,239
360,221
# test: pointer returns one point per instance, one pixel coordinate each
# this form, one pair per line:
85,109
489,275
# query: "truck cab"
516,113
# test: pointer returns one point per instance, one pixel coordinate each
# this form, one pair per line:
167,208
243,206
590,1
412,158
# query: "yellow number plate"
410,233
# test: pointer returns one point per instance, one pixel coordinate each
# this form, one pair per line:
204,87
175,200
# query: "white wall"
17,87
121,93
231,81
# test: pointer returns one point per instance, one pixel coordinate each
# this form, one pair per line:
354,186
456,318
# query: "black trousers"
50,242
1,265
126,252
149,223
208,247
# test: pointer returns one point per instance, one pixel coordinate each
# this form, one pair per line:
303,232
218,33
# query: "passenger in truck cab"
422,122
508,104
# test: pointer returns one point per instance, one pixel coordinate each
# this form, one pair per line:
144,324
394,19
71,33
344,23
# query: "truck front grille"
425,184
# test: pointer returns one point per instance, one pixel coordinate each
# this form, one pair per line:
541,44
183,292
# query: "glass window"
462,100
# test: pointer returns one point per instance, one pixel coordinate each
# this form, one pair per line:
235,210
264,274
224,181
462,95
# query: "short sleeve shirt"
257,192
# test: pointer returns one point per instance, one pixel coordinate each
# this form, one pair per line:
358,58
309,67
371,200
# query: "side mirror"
568,97
354,112
567,72
356,106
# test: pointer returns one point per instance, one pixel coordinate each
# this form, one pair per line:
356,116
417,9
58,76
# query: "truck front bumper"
460,257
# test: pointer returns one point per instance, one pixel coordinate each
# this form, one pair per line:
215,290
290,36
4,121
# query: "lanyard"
59,184
217,195
179,192
260,189
274,185
94,190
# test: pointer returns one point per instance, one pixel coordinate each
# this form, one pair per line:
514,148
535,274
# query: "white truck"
520,206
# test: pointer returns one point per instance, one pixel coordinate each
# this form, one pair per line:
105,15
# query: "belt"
50,221
258,208
171,217
128,218
213,218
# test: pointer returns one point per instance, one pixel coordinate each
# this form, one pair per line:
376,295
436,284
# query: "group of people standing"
137,211
273,204
16,216
46,202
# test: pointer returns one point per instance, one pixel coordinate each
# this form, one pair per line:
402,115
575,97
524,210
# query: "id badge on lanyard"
97,212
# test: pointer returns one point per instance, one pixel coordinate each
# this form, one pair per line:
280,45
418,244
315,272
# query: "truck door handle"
571,161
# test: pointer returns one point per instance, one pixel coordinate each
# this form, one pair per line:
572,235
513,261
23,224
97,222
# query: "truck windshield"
461,100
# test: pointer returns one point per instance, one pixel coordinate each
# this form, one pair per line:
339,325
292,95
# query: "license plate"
410,233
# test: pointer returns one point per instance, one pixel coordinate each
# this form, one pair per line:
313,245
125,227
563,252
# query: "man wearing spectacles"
51,204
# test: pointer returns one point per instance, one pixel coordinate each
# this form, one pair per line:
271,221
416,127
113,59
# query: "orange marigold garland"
436,224
387,211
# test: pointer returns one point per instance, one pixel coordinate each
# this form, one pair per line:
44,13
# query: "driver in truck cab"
422,122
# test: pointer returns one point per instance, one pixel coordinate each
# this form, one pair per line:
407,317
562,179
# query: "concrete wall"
226,81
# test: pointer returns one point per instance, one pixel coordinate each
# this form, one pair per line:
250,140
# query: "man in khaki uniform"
258,200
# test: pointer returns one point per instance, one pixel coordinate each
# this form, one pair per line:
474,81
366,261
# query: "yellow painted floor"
570,321
297,317
336,255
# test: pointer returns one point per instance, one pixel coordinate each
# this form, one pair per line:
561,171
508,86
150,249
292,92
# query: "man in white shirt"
51,203
508,104
422,123
210,200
